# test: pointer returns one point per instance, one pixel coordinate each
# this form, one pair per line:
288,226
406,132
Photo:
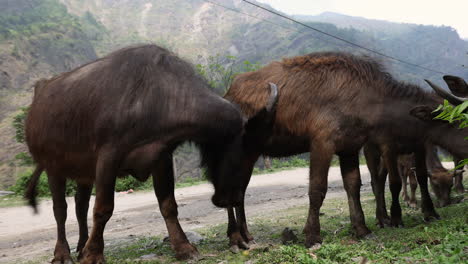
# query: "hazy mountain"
39,38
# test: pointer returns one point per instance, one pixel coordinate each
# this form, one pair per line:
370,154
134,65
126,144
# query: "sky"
453,13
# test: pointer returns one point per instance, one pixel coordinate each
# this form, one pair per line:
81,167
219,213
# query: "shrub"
42,185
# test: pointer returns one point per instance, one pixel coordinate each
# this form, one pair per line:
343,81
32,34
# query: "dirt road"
24,235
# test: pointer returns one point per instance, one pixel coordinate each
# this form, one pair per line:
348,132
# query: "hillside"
39,38
197,29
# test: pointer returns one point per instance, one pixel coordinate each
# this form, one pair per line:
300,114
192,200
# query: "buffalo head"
225,162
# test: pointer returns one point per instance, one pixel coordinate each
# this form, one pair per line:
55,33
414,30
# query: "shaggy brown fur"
334,103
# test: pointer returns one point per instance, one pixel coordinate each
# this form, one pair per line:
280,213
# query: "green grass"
443,241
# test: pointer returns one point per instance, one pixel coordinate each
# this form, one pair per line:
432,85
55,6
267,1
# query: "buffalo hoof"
234,249
313,242
370,236
384,222
236,241
247,236
362,232
92,259
187,251
429,217
252,242
62,261
397,222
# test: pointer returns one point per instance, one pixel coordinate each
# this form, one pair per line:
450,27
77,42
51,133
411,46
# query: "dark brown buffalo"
459,88
333,103
440,178
125,114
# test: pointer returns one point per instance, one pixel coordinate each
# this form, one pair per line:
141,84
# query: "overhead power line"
344,40
270,22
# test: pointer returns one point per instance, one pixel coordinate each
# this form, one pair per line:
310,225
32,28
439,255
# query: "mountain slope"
38,38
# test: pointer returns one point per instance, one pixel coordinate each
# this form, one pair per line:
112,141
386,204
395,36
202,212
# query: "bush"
42,185
128,182
122,184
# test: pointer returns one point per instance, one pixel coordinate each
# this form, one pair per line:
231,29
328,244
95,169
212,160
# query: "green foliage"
23,158
278,164
18,124
454,114
128,182
42,186
220,71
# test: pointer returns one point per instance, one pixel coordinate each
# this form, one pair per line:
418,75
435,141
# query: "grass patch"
443,241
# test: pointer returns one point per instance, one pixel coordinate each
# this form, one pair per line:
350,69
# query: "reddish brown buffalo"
333,103
125,114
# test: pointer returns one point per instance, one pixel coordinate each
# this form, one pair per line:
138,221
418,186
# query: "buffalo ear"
422,112
457,85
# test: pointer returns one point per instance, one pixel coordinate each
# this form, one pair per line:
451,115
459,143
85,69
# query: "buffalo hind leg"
458,185
378,174
391,163
163,182
320,158
421,174
352,182
404,181
106,171
413,187
83,193
57,185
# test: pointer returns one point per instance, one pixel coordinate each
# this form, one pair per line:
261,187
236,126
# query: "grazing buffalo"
333,103
125,114
459,88
440,178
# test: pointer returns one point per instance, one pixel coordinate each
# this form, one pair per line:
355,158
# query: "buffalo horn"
455,100
273,100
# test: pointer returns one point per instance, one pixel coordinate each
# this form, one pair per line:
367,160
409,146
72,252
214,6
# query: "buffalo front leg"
163,182
240,213
238,233
320,158
106,171
390,159
378,174
421,174
236,240
57,185
83,193
352,182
